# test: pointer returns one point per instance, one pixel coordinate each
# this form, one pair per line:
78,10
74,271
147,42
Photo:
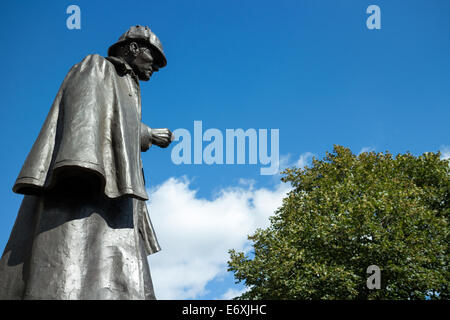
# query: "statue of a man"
83,230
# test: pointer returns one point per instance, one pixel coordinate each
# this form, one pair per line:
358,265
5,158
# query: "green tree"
345,213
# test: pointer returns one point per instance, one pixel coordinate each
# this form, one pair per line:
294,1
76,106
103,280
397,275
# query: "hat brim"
159,58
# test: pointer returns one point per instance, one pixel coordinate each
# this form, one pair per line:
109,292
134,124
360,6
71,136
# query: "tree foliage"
345,213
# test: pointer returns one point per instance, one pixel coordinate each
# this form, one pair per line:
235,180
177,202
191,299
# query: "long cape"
94,124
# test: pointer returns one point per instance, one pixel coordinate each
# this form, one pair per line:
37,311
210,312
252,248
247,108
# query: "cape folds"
94,124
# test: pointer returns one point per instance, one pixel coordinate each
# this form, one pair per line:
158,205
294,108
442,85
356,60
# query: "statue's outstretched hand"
162,137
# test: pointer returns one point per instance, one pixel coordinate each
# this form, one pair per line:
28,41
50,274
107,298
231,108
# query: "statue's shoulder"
95,58
92,61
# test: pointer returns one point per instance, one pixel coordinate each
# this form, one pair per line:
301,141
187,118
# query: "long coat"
83,230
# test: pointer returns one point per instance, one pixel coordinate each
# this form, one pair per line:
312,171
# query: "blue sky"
311,69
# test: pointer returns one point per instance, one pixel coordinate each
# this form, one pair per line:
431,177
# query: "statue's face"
143,63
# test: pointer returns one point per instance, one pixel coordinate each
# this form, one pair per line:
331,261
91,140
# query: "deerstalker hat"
141,34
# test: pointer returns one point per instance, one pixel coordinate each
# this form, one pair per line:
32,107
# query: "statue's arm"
146,137
160,137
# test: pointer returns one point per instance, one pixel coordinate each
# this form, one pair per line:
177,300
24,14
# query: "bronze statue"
83,230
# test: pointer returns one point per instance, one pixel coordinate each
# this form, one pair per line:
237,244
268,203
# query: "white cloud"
195,234
285,161
304,159
366,149
445,152
232,293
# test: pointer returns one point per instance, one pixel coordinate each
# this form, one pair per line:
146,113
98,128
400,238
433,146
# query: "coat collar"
122,67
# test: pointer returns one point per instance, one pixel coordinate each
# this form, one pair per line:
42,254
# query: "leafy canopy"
345,213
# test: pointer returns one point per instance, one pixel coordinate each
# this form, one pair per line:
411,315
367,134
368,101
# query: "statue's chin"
145,76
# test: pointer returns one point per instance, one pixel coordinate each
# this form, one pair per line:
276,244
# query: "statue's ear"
134,48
